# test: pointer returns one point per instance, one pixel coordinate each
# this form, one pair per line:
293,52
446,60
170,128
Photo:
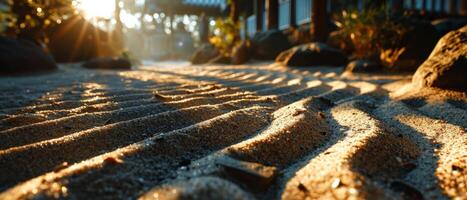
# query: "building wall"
304,7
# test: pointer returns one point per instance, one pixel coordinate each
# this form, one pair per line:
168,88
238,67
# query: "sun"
96,8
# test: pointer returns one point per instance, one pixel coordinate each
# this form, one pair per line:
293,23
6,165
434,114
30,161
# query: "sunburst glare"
96,9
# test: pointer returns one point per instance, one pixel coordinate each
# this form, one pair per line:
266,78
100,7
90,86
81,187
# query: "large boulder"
204,54
312,54
363,66
447,65
220,59
267,45
108,63
23,56
447,25
418,42
241,53
76,39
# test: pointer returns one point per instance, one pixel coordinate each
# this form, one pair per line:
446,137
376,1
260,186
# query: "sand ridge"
172,133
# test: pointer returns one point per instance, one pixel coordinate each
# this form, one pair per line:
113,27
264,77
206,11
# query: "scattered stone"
302,188
241,53
267,45
336,183
321,115
198,189
19,56
363,66
61,167
107,63
204,54
113,160
255,175
407,191
446,66
409,166
299,111
312,54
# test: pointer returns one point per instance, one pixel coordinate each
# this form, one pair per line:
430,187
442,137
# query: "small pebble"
299,111
61,166
113,160
321,114
336,183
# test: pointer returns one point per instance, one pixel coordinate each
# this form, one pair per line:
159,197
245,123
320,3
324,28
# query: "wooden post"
452,4
441,6
398,6
203,28
259,7
293,15
463,7
319,19
272,14
424,2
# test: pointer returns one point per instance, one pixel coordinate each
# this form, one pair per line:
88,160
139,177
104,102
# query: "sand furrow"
443,164
162,154
249,131
355,164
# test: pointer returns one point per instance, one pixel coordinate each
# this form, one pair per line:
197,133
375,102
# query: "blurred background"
78,30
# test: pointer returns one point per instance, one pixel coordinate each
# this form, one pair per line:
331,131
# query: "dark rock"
418,42
220,59
267,45
406,191
107,63
447,65
447,25
312,54
241,53
255,175
23,56
363,66
76,39
204,54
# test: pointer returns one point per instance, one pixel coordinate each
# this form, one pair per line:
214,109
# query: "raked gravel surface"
257,131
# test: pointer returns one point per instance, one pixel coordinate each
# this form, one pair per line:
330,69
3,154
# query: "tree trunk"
259,7
272,13
234,11
319,19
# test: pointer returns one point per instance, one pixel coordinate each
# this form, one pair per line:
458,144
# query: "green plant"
226,35
375,33
30,18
